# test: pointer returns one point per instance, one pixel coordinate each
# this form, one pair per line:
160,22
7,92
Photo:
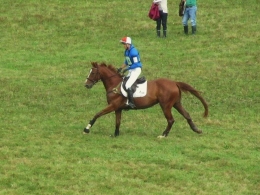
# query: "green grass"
45,55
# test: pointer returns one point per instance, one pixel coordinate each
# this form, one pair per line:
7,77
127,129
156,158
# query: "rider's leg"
133,75
130,98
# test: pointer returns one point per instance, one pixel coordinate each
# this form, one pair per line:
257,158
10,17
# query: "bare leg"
178,106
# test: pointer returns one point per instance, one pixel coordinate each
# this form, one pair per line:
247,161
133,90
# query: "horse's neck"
110,80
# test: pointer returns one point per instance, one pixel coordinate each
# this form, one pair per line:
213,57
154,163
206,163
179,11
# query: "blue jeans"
190,13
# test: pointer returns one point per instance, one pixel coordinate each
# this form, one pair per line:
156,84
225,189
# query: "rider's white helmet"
126,40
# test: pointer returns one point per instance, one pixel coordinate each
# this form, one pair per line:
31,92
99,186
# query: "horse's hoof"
86,131
161,136
199,131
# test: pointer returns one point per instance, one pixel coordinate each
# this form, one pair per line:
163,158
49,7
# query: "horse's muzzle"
88,86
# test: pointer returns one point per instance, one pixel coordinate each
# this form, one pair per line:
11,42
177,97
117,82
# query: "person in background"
133,65
163,9
190,13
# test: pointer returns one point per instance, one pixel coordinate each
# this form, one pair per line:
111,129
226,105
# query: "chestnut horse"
163,91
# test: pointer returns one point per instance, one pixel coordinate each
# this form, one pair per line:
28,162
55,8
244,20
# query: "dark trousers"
162,21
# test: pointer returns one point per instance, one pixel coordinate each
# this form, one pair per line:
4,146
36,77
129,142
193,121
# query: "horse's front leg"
108,109
118,121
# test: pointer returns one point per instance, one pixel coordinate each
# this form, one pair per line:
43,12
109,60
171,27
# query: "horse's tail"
187,88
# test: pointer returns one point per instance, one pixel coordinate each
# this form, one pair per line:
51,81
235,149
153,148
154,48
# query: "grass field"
46,50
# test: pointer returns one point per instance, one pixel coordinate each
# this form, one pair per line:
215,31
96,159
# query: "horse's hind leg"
178,106
168,115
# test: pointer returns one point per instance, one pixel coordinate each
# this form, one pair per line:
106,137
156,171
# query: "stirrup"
131,105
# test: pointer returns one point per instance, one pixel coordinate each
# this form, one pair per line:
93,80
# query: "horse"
165,92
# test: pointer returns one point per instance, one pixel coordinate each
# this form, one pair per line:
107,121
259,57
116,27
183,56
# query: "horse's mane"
111,67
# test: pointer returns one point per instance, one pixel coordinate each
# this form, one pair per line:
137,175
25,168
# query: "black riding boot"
186,29
193,30
158,33
130,98
164,33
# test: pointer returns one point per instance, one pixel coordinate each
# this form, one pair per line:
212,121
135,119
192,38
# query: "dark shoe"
186,29
131,105
130,98
158,33
164,34
194,29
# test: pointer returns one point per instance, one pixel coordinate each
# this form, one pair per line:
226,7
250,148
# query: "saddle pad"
141,90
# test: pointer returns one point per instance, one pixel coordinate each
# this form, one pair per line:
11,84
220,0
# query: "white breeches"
133,74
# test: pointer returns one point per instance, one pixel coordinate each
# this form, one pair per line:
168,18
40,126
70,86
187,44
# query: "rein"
114,90
97,73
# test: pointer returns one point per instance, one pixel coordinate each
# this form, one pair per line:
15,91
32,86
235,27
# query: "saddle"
138,81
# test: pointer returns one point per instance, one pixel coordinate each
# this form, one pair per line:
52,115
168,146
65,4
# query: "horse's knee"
171,121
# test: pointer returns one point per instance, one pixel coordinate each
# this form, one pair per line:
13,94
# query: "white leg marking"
88,127
161,137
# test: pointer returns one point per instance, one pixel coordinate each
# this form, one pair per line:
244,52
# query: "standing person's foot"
194,29
164,34
158,33
186,29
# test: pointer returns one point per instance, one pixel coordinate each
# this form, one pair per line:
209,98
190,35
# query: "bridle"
95,80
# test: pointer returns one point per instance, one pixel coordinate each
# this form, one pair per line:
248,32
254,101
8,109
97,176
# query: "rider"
133,65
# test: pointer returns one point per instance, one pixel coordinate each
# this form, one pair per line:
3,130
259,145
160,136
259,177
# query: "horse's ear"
103,64
94,64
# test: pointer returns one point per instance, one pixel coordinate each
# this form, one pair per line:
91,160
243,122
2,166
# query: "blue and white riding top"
132,58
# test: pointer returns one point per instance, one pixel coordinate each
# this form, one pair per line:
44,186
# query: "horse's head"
107,73
93,76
